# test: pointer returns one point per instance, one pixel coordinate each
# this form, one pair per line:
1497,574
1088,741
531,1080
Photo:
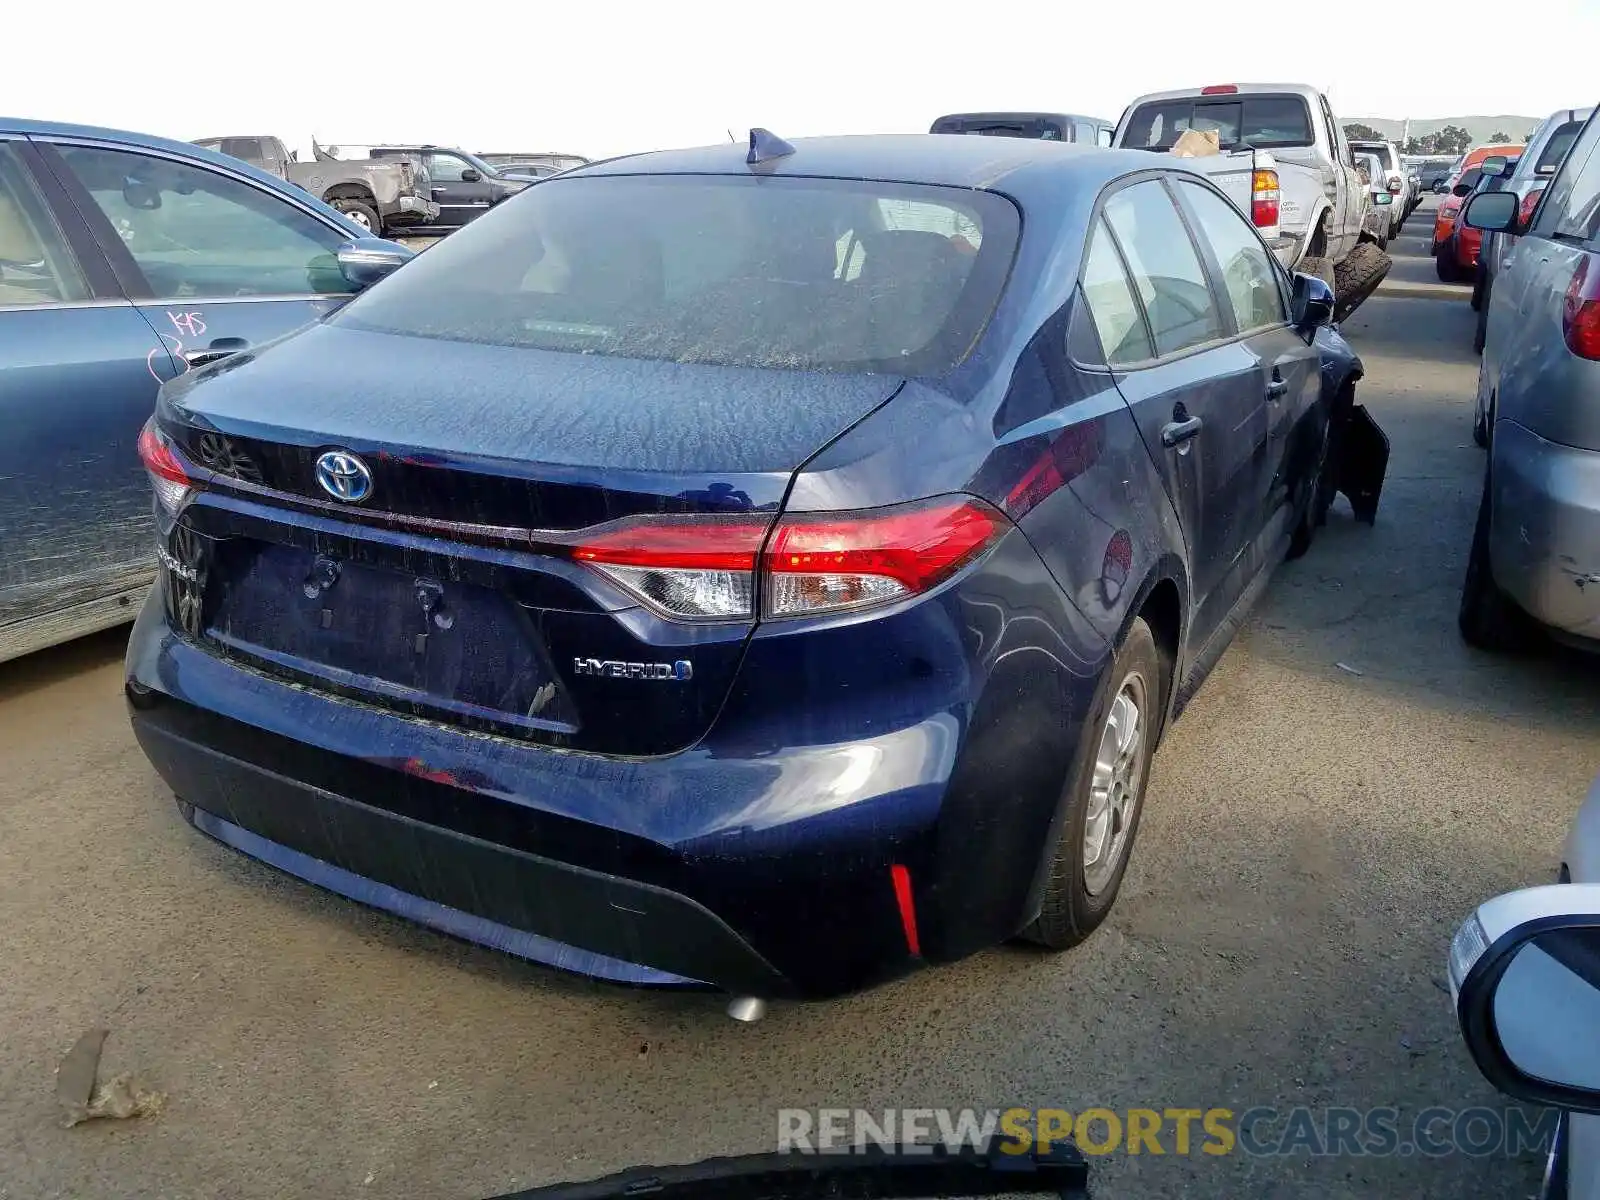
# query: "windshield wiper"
871,1173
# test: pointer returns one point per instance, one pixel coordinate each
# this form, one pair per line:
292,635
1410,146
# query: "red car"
1455,245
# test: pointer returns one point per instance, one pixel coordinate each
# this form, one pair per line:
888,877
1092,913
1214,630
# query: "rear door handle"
1175,433
221,348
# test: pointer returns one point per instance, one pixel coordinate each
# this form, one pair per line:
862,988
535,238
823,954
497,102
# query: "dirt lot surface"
1347,786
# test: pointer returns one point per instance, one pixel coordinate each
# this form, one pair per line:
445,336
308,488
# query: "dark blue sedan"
125,260
772,571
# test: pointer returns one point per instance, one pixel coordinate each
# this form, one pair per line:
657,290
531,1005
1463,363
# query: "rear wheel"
1444,265
361,213
1105,796
1488,618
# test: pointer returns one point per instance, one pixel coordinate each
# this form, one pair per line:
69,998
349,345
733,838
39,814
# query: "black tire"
1357,277
1324,483
1488,618
1480,332
1321,268
1444,265
1069,912
361,213
1480,431
1477,290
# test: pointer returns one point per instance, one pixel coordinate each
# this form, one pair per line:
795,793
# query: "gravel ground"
1313,834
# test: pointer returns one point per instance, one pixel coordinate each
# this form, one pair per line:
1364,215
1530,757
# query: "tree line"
1452,139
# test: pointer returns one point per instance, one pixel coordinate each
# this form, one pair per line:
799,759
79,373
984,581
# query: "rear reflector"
908,910
706,568
1580,314
1220,89
1264,196
167,476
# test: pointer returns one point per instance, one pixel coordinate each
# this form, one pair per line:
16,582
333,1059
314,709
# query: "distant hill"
1481,128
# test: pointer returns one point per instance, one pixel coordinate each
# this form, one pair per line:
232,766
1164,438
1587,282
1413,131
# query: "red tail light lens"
1264,195
1580,314
1220,89
1525,209
693,567
167,476
705,568
822,563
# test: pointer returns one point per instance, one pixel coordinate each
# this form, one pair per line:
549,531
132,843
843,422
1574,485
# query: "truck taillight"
167,476
1264,196
1580,314
1220,89
706,568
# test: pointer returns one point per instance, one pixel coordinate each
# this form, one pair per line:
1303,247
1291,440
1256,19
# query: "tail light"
1264,196
167,476
708,568
1220,89
1580,314
1525,209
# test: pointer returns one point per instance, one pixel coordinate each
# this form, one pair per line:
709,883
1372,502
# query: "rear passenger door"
216,262
1194,388
460,198
1289,370
79,368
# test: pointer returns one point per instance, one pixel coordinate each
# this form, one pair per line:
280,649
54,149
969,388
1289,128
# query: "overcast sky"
602,78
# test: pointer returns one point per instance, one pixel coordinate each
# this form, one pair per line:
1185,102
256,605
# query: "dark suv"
463,185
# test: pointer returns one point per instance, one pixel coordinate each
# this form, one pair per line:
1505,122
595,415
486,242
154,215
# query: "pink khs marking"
188,324
177,354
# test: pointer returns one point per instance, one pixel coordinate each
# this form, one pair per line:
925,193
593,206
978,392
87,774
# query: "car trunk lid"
455,588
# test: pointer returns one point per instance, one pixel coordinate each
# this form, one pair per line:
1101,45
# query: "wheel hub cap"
1115,789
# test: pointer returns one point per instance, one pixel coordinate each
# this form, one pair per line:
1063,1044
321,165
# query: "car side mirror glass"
136,193
469,175
1528,1000
1311,304
364,261
1461,189
1494,166
1493,212
1395,187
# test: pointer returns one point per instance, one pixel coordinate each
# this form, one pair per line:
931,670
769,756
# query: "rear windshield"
1556,148
1043,126
808,274
1263,122
1381,151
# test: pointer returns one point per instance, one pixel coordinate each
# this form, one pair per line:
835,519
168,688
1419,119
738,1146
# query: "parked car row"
1276,151
1534,566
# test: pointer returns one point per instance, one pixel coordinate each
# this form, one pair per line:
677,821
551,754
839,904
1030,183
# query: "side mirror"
1525,974
471,175
1311,304
1396,187
136,193
1493,212
364,261
1495,166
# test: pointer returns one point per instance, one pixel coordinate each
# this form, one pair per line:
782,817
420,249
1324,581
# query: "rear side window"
1166,270
807,274
1263,122
1571,206
1556,148
35,264
1117,313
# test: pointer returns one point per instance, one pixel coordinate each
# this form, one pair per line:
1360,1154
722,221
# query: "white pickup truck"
1285,162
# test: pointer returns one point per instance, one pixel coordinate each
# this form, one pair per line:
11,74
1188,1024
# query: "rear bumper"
1544,537
760,860
418,207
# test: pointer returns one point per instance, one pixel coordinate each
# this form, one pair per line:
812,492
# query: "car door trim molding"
53,305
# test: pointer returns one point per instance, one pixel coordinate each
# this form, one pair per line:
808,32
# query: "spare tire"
1358,276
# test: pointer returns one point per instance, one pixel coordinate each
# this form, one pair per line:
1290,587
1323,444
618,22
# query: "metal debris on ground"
1347,668
120,1097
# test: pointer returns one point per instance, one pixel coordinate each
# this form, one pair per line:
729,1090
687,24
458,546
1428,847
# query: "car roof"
1012,165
